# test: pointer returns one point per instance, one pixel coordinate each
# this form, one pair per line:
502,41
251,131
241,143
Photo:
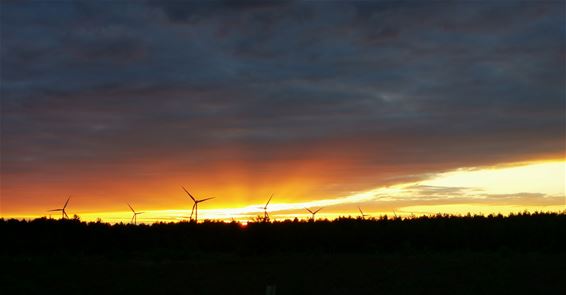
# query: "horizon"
303,219
476,204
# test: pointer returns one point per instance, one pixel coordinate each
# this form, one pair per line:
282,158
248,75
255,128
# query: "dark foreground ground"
502,255
422,273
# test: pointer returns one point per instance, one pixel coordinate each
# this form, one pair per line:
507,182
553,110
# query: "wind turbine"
265,214
313,212
195,206
362,213
63,212
135,216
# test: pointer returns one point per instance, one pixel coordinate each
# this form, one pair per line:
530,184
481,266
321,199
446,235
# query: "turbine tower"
135,216
63,212
196,202
313,212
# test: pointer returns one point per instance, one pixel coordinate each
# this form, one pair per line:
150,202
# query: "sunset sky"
411,107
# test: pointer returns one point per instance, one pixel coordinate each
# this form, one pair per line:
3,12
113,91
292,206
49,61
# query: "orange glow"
239,195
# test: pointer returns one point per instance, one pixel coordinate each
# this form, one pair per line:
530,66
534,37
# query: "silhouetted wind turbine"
313,212
63,212
362,213
135,216
265,214
195,206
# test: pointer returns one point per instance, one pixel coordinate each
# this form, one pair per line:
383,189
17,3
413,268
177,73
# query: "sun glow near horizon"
537,186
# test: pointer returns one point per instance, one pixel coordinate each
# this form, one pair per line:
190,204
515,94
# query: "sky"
396,107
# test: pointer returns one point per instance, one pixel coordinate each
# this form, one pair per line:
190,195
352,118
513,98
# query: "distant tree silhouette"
518,232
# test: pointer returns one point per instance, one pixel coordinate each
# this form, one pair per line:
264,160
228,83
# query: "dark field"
520,254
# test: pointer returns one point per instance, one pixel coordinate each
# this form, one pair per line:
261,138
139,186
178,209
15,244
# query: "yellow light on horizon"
546,178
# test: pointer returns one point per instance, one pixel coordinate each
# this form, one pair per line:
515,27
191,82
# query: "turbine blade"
194,200
131,208
198,201
309,210
54,210
317,210
67,202
361,212
65,213
140,212
269,200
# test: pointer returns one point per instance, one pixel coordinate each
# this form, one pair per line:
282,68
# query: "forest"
519,253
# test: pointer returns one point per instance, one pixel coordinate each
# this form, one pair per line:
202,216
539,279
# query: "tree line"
538,232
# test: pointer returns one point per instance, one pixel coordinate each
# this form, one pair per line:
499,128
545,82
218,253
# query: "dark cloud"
196,11
369,90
